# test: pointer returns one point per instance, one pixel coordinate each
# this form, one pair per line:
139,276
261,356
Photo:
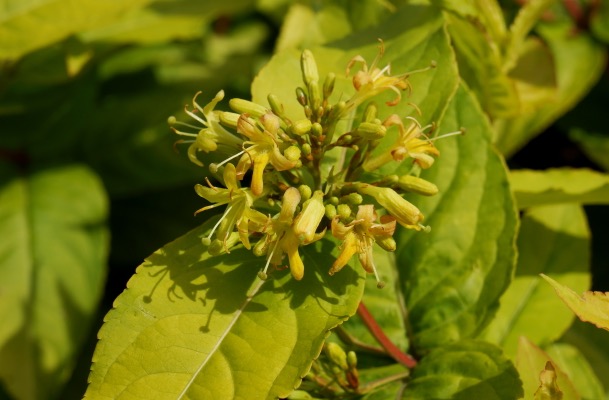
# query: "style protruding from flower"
281,188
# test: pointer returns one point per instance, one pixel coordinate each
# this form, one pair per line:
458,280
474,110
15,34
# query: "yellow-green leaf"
590,307
195,326
551,186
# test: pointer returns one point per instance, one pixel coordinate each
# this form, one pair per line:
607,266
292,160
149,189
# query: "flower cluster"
292,197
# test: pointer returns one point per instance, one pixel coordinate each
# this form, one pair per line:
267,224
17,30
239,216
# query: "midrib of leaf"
257,285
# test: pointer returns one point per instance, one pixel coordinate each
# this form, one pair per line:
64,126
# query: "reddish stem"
383,340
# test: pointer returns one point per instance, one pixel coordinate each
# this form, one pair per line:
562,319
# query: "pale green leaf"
27,25
452,277
554,240
480,65
551,186
593,344
590,307
52,270
570,360
463,371
191,325
527,17
413,37
530,362
579,62
304,27
595,145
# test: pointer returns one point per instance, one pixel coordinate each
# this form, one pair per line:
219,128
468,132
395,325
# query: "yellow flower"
265,147
210,135
407,144
287,233
359,237
407,214
370,80
239,212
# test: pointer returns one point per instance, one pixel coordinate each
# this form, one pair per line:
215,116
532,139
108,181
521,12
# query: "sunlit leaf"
551,186
553,240
531,362
579,370
195,326
28,25
590,307
464,370
52,270
452,277
579,62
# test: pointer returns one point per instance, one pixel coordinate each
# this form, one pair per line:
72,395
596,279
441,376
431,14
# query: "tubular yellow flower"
264,149
407,215
359,237
239,212
210,135
371,80
313,210
407,144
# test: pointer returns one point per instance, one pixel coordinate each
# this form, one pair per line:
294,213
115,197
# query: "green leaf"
452,278
579,62
599,21
595,145
552,186
480,65
464,370
577,368
590,307
554,240
593,344
413,37
52,270
530,362
27,25
192,325
304,27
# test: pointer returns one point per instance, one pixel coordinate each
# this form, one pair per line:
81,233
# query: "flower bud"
301,96
344,211
330,211
313,210
370,131
329,84
387,243
405,212
337,355
270,122
229,119
317,129
370,112
301,127
292,153
417,185
305,192
276,105
310,76
306,149
247,107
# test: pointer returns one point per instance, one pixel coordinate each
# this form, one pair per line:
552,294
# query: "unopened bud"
310,76
352,359
417,185
229,119
370,131
316,129
306,149
370,112
270,122
329,84
247,107
337,355
275,104
301,127
354,198
305,192
292,153
260,248
387,243
301,96
404,212
313,210
330,211
344,211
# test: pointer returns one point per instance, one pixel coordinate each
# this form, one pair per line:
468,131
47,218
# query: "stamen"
459,132
262,274
425,228
217,223
195,116
431,65
379,283
213,167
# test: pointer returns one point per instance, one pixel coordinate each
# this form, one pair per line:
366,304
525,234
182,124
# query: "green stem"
383,340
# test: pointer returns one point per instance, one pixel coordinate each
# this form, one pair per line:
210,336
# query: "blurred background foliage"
91,184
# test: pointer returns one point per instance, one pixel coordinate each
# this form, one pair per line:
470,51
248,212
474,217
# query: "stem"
383,340
350,340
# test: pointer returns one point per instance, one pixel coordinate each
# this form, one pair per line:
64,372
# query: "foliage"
476,233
